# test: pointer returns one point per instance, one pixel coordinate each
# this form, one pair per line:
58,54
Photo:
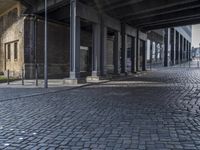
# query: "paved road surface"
158,110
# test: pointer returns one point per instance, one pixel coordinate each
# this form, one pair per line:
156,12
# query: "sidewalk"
32,84
16,90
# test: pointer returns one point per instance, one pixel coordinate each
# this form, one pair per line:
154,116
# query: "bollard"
36,74
8,77
22,76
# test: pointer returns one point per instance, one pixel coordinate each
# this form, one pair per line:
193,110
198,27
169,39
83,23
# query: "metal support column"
177,48
172,41
138,51
151,54
184,49
103,49
123,50
116,54
144,56
181,49
74,42
166,41
96,50
156,52
133,55
189,51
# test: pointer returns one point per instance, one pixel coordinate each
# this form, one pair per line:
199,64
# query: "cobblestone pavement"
155,111
9,92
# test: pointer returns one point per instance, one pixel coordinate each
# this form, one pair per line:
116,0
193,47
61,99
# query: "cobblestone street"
158,110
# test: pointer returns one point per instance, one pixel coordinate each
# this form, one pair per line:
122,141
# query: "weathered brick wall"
11,30
58,49
30,52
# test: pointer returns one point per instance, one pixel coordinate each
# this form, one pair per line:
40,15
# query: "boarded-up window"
15,51
8,51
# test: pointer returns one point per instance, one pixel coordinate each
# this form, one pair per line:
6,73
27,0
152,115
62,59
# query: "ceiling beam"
121,4
176,23
169,17
169,21
174,9
149,6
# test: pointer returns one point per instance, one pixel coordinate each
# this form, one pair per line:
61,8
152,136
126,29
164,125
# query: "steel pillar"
144,56
74,42
116,53
104,31
138,51
133,55
173,43
177,48
189,51
123,50
166,47
151,54
181,48
96,50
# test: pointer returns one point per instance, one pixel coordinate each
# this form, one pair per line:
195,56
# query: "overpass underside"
99,37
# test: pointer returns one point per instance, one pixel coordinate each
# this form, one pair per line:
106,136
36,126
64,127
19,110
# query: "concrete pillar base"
69,81
131,73
93,79
124,74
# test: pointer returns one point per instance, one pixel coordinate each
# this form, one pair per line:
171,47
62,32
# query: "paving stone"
157,110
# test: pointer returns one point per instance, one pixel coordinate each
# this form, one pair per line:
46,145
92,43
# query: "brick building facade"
101,45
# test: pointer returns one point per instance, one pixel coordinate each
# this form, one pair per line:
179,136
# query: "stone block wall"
11,32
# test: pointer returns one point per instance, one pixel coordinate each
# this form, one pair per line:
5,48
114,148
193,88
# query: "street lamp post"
45,50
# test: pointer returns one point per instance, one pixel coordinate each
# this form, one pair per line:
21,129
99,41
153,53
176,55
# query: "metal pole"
8,77
45,50
22,76
36,74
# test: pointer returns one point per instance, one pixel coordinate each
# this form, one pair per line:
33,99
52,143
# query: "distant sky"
195,35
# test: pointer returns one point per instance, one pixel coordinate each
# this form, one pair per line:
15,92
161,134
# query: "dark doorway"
86,49
130,60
